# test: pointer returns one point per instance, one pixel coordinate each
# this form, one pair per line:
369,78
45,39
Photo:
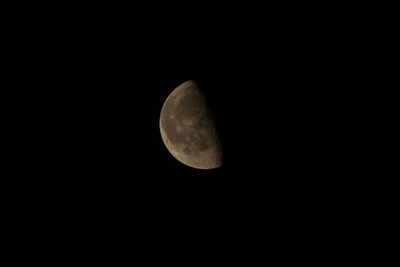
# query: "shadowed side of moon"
188,128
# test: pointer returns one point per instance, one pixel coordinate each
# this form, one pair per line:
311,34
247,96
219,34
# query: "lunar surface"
188,128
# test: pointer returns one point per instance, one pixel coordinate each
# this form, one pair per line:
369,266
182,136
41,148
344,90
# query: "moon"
188,128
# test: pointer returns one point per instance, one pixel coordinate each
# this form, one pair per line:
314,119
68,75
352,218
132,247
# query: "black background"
96,85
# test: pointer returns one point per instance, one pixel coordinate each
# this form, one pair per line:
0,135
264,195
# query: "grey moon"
188,128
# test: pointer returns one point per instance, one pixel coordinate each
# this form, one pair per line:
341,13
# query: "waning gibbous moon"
188,128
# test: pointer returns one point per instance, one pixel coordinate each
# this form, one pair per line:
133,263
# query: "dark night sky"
99,92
